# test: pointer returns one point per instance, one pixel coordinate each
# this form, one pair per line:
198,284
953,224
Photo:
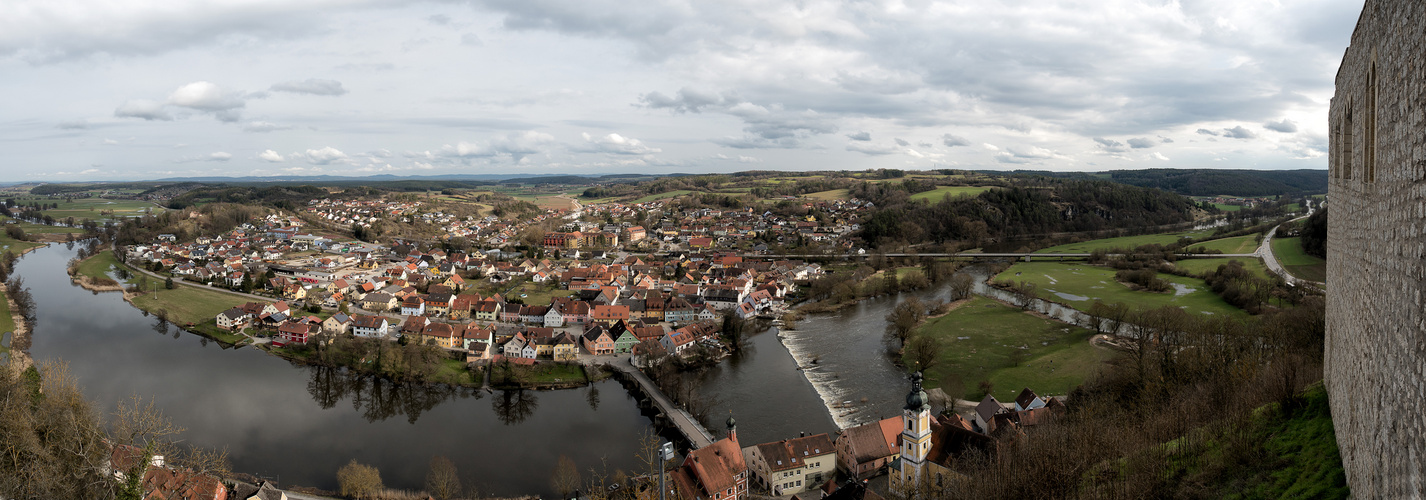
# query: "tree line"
1051,207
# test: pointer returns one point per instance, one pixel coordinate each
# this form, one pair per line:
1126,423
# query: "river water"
299,424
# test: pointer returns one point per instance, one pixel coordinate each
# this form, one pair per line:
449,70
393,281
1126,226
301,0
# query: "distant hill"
1210,182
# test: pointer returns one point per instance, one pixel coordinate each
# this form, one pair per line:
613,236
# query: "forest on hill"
1049,206
1211,182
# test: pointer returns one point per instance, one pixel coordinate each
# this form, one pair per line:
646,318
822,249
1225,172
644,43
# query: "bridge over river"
670,412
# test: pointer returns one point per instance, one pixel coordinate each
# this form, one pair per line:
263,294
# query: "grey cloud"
1285,126
1110,145
1142,143
439,19
1205,131
901,142
313,86
472,40
1165,140
954,140
686,100
755,142
54,32
1239,132
860,136
73,125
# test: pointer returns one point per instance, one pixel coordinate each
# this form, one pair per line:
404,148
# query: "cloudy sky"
151,89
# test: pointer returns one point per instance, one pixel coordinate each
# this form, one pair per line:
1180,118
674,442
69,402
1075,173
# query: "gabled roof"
1026,397
872,441
715,467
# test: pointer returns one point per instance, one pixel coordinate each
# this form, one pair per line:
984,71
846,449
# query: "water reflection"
378,399
515,405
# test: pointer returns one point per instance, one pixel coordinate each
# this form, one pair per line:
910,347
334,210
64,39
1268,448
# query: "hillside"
1211,182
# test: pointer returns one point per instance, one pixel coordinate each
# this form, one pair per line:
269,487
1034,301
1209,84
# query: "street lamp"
665,454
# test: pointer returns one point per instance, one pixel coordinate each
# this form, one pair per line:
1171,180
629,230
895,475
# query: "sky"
130,89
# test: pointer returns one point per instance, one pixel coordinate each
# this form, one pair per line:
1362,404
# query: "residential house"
370,326
378,301
714,472
597,340
460,307
554,318
339,323
486,311
679,310
413,305
440,334
609,314
413,326
566,349
233,319
292,333
864,450
676,341
792,465
626,342
438,304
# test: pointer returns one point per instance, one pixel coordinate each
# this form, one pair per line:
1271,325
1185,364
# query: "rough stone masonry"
1376,253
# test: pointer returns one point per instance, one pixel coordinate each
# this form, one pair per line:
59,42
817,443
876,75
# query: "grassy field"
1197,266
534,293
507,375
1122,242
1240,244
986,340
14,245
835,194
935,195
91,208
186,304
98,266
1079,285
1289,253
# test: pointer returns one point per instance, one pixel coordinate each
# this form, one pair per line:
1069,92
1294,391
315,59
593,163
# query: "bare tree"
566,477
442,480
921,353
904,318
961,286
358,480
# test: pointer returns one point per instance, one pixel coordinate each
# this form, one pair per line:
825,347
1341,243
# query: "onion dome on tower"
917,400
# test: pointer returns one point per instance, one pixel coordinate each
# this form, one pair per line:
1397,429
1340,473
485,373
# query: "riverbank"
19,333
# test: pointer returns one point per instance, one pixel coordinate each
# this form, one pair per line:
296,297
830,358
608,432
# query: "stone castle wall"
1376,253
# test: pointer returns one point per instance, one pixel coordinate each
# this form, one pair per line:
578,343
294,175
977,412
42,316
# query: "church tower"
915,435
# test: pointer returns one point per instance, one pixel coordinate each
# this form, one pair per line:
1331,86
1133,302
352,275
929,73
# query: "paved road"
1265,251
